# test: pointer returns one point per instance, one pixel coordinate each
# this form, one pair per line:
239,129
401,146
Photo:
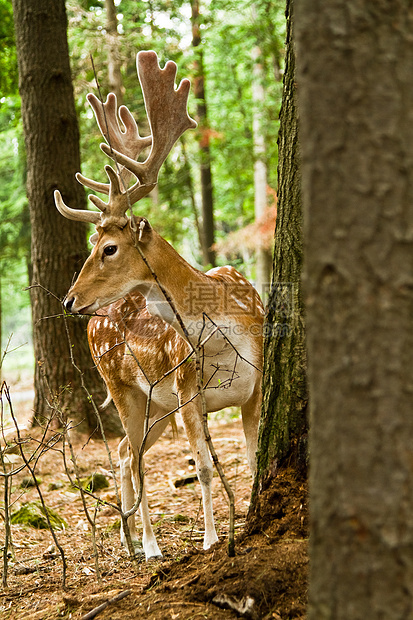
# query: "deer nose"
68,303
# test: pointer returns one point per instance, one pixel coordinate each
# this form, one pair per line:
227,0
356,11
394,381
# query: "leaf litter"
266,579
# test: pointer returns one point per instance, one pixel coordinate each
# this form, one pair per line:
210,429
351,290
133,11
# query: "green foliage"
33,514
181,518
230,29
29,483
114,526
14,226
228,42
8,57
95,482
14,222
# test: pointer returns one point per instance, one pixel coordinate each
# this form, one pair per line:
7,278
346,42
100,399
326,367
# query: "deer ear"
93,238
141,228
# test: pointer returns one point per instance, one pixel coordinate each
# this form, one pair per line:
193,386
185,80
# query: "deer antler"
166,109
128,141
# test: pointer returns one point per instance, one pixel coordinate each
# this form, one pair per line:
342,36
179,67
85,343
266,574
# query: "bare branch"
40,494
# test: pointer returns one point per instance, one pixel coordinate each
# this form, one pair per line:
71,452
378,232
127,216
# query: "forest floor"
266,579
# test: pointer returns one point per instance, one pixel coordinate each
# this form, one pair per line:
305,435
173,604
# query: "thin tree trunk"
263,262
208,226
283,429
58,245
356,100
189,182
114,60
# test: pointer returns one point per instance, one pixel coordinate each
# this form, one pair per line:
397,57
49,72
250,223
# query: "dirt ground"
267,578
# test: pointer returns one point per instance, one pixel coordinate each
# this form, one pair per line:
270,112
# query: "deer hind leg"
204,468
251,411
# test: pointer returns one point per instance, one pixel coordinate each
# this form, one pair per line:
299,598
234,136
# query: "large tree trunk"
208,226
58,245
283,430
355,63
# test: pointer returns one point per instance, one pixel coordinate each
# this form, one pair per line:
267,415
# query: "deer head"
115,266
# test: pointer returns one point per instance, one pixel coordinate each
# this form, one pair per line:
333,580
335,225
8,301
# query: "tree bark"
58,245
355,63
283,429
208,225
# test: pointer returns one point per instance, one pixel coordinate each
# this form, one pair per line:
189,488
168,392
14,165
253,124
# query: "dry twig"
97,610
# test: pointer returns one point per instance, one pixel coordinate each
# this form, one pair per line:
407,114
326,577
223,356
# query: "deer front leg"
132,407
192,419
134,431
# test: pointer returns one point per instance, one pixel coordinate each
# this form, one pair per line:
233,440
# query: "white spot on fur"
241,304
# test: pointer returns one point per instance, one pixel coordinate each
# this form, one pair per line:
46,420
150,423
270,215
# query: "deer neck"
169,287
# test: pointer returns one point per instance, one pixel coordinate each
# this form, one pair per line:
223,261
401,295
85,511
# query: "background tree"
356,100
58,246
283,430
114,59
208,226
263,255
229,40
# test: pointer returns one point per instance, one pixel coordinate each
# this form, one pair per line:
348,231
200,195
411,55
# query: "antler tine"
168,118
114,211
103,188
128,141
80,215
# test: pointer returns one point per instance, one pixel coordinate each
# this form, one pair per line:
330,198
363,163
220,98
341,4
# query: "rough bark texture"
58,245
355,67
208,226
283,430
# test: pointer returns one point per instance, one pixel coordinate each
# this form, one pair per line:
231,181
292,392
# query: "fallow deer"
150,308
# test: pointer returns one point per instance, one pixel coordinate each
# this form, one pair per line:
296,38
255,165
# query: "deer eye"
110,250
